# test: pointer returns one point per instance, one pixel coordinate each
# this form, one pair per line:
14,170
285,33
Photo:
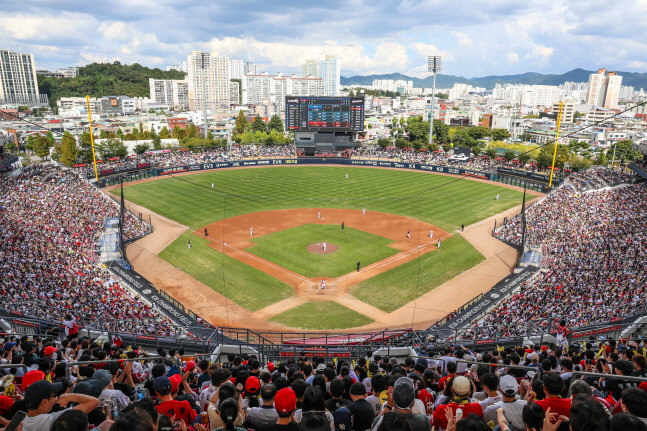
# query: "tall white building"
329,70
18,82
604,89
208,78
236,69
274,88
170,92
251,68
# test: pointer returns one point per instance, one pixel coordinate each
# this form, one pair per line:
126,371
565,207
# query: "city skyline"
504,37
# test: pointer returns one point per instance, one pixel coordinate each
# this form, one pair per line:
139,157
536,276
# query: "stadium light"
433,66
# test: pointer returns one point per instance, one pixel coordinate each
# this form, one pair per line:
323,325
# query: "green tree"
462,138
275,123
50,138
140,149
623,151
68,150
29,145
601,159
524,158
401,143
383,142
394,122
478,132
351,93
164,133
441,132
418,130
102,134
403,122
579,146
258,125
499,134
477,150
546,153
42,146
580,164
509,155
192,131
241,125
490,152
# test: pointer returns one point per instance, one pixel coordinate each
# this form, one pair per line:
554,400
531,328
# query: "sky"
473,38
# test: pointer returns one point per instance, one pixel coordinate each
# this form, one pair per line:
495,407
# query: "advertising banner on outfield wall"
498,292
324,161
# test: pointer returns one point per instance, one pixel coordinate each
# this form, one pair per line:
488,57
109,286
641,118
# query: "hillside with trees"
104,79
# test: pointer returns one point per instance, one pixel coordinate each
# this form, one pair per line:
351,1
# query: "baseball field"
306,247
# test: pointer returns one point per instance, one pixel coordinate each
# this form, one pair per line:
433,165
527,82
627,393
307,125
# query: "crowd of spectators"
167,158
455,390
50,219
596,243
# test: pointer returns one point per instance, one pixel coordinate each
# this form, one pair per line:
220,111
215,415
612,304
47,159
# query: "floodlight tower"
433,66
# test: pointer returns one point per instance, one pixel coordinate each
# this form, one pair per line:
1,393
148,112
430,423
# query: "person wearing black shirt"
362,411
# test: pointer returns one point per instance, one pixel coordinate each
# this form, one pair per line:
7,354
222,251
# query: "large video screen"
324,114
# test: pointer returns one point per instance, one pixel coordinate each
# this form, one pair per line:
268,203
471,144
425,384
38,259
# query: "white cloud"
540,53
512,57
462,38
638,64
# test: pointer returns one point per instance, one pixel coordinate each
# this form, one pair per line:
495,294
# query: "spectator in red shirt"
182,410
553,386
451,372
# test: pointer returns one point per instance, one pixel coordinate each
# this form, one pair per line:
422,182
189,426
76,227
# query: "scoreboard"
324,114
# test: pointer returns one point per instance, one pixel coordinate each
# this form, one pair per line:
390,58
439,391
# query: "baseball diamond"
234,279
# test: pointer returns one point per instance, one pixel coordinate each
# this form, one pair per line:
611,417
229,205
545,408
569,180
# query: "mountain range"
636,80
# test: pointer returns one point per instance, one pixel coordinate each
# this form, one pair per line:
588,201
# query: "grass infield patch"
288,249
321,315
242,284
393,289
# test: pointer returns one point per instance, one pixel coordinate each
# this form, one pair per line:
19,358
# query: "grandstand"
581,276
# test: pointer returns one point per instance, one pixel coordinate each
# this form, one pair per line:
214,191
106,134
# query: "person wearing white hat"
512,407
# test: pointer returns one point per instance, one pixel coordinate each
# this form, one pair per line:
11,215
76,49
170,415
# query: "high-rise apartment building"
604,89
170,92
208,78
236,69
329,70
18,82
274,88
251,68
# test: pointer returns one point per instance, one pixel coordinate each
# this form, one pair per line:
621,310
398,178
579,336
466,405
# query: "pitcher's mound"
318,248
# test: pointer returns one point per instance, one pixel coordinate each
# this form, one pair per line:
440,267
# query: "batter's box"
322,288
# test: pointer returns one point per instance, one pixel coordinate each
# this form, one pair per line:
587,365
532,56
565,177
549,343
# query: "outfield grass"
288,249
242,284
393,289
321,315
444,201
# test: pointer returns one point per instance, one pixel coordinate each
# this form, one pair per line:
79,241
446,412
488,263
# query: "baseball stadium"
265,249
164,279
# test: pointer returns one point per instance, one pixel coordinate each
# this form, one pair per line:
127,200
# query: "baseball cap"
534,356
89,386
252,384
403,393
321,367
343,419
175,380
423,361
285,400
9,345
160,384
508,385
190,365
49,350
270,367
41,390
622,348
31,377
357,389
461,385
104,377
